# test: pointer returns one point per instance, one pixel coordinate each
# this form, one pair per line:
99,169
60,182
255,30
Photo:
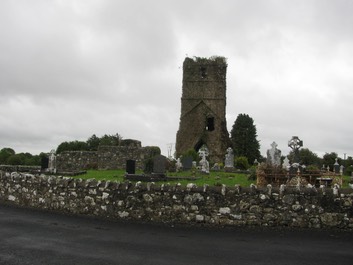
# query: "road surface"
37,237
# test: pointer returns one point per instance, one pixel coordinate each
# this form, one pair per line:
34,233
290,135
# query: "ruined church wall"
115,157
107,157
215,206
76,161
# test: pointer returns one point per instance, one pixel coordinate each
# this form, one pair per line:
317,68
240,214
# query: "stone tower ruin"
203,108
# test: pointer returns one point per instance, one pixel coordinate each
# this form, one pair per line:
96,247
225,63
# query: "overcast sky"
73,68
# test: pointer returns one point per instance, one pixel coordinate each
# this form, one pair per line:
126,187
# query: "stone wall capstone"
218,205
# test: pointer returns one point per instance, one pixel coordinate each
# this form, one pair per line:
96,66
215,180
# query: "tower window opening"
203,71
210,124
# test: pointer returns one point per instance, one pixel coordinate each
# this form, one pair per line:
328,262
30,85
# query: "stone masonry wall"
114,157
107,157
76,160
203,108
236,206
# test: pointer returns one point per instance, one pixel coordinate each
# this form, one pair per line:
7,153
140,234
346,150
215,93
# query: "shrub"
191,153
241,162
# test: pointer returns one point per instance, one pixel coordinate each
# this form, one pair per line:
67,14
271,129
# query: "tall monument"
203,107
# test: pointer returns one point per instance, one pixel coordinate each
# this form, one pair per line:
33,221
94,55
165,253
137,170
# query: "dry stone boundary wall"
218,206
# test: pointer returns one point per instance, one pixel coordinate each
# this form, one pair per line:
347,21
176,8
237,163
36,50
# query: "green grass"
214,178
117,175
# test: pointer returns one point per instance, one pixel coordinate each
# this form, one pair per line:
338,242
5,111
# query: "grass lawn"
214,178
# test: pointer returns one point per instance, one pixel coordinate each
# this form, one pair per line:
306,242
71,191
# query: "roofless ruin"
203,107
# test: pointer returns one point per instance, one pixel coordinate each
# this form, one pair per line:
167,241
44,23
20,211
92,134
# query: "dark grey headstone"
187,162
130,166
159,162
44,162
336,168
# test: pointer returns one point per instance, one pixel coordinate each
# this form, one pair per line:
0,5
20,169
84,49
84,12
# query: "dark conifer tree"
244,138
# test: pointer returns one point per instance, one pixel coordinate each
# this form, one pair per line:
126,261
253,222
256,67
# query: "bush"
349,171
252,175
242,163
191,153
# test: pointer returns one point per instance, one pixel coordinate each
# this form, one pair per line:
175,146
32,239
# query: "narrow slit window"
210,124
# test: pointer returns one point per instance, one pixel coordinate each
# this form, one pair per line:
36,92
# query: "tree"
111,140
243,137
307,157
5,153
329,159
72,146
93,143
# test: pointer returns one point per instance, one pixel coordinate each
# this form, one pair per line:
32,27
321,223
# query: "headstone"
130,166
286,164
295,143
187,162
229,159
216,167
274,155
205,166
159,162
52,162
341,170
294,169
336,167
178,165
44,163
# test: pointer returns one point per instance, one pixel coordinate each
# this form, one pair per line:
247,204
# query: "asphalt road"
37,237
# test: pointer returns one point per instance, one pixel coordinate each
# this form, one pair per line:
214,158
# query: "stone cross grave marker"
52,162
229,159
286,164
205,166
295,143
274,155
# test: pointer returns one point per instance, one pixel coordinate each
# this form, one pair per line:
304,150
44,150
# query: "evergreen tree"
93,143
243,137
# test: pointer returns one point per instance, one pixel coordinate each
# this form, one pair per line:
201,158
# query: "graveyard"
211,185
205,187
